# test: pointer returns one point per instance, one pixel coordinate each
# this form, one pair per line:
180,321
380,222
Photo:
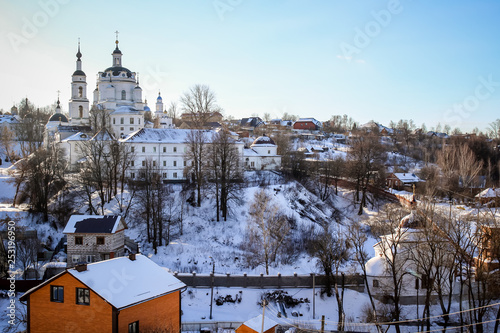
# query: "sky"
434,62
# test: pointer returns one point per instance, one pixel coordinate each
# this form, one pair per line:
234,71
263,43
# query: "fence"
355,282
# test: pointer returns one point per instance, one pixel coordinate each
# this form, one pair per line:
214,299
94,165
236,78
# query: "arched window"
124,95
80,91
80,111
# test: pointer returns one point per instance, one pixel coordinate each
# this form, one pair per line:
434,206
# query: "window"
143,163
121,121
100,241
164,149
165,175
121,129
143,149
269,152
185,163
154,149
132,175
154,163
164,163
252,164
78,240
132,149
133,327
131,163
114,121
131,121
175,174
132,129
124,95
139,121
90,258
80,91
75,258
80,111
82,296
175,149
175,163
375,284
57,294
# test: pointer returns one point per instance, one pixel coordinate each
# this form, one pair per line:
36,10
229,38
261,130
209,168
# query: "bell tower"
79,103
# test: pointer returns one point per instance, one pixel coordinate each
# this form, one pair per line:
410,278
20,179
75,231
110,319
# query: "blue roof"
146,108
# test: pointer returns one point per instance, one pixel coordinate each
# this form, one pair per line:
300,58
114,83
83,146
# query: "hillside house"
127,294
399,181
489,248
490,196
92,238
307,124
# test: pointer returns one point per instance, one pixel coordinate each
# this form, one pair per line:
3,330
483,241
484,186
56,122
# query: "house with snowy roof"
262,155
400,180
126,294
490,196
307,124
254,325
92,238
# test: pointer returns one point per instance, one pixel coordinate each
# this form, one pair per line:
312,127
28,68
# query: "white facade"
79,103
262,155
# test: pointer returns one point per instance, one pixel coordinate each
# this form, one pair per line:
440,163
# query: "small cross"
116,32
58,92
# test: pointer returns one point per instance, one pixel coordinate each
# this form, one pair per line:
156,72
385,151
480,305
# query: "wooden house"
92,238
120,295
401,180
307,124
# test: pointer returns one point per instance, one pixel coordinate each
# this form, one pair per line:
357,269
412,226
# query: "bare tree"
197,154
201,103
332,251
495,129
7,142
224,171
267,230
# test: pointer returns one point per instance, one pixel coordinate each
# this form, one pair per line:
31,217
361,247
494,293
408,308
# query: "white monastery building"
118,96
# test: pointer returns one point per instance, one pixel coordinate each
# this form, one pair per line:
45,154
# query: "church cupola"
159,104
117,54
79,62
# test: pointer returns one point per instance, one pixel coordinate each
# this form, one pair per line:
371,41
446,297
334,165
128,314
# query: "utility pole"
314,295
212,286
263,315
322,323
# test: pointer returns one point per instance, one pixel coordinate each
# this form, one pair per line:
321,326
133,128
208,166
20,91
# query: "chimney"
81,267
131,256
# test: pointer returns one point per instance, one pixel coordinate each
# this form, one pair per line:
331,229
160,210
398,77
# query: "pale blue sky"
416,62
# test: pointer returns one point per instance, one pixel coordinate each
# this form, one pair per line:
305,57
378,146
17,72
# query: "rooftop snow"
125,109
489,193
407,177
123,282
163,135
256,323
92,224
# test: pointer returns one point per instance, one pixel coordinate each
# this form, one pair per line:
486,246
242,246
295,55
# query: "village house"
92,238
400,180
307,124
489,248
121,295
490,196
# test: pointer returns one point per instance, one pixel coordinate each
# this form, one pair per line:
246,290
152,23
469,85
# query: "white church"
119,95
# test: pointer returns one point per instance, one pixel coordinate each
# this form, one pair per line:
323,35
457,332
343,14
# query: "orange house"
254,325
127,294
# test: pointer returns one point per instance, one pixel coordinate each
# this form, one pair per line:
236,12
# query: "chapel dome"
263,140
58,117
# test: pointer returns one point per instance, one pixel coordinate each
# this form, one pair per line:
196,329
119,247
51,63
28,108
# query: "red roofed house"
307,124
120,295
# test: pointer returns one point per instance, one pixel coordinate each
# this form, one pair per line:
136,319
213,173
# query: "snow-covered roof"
407,177
80,136
163,135
92,224
489,193
125,109
256,323
375,266
264,141
314,121
248,152
6,119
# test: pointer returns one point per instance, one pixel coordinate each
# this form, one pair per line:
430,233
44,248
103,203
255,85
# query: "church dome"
146,108
58,117
79,72
412,221
263,140
116,70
